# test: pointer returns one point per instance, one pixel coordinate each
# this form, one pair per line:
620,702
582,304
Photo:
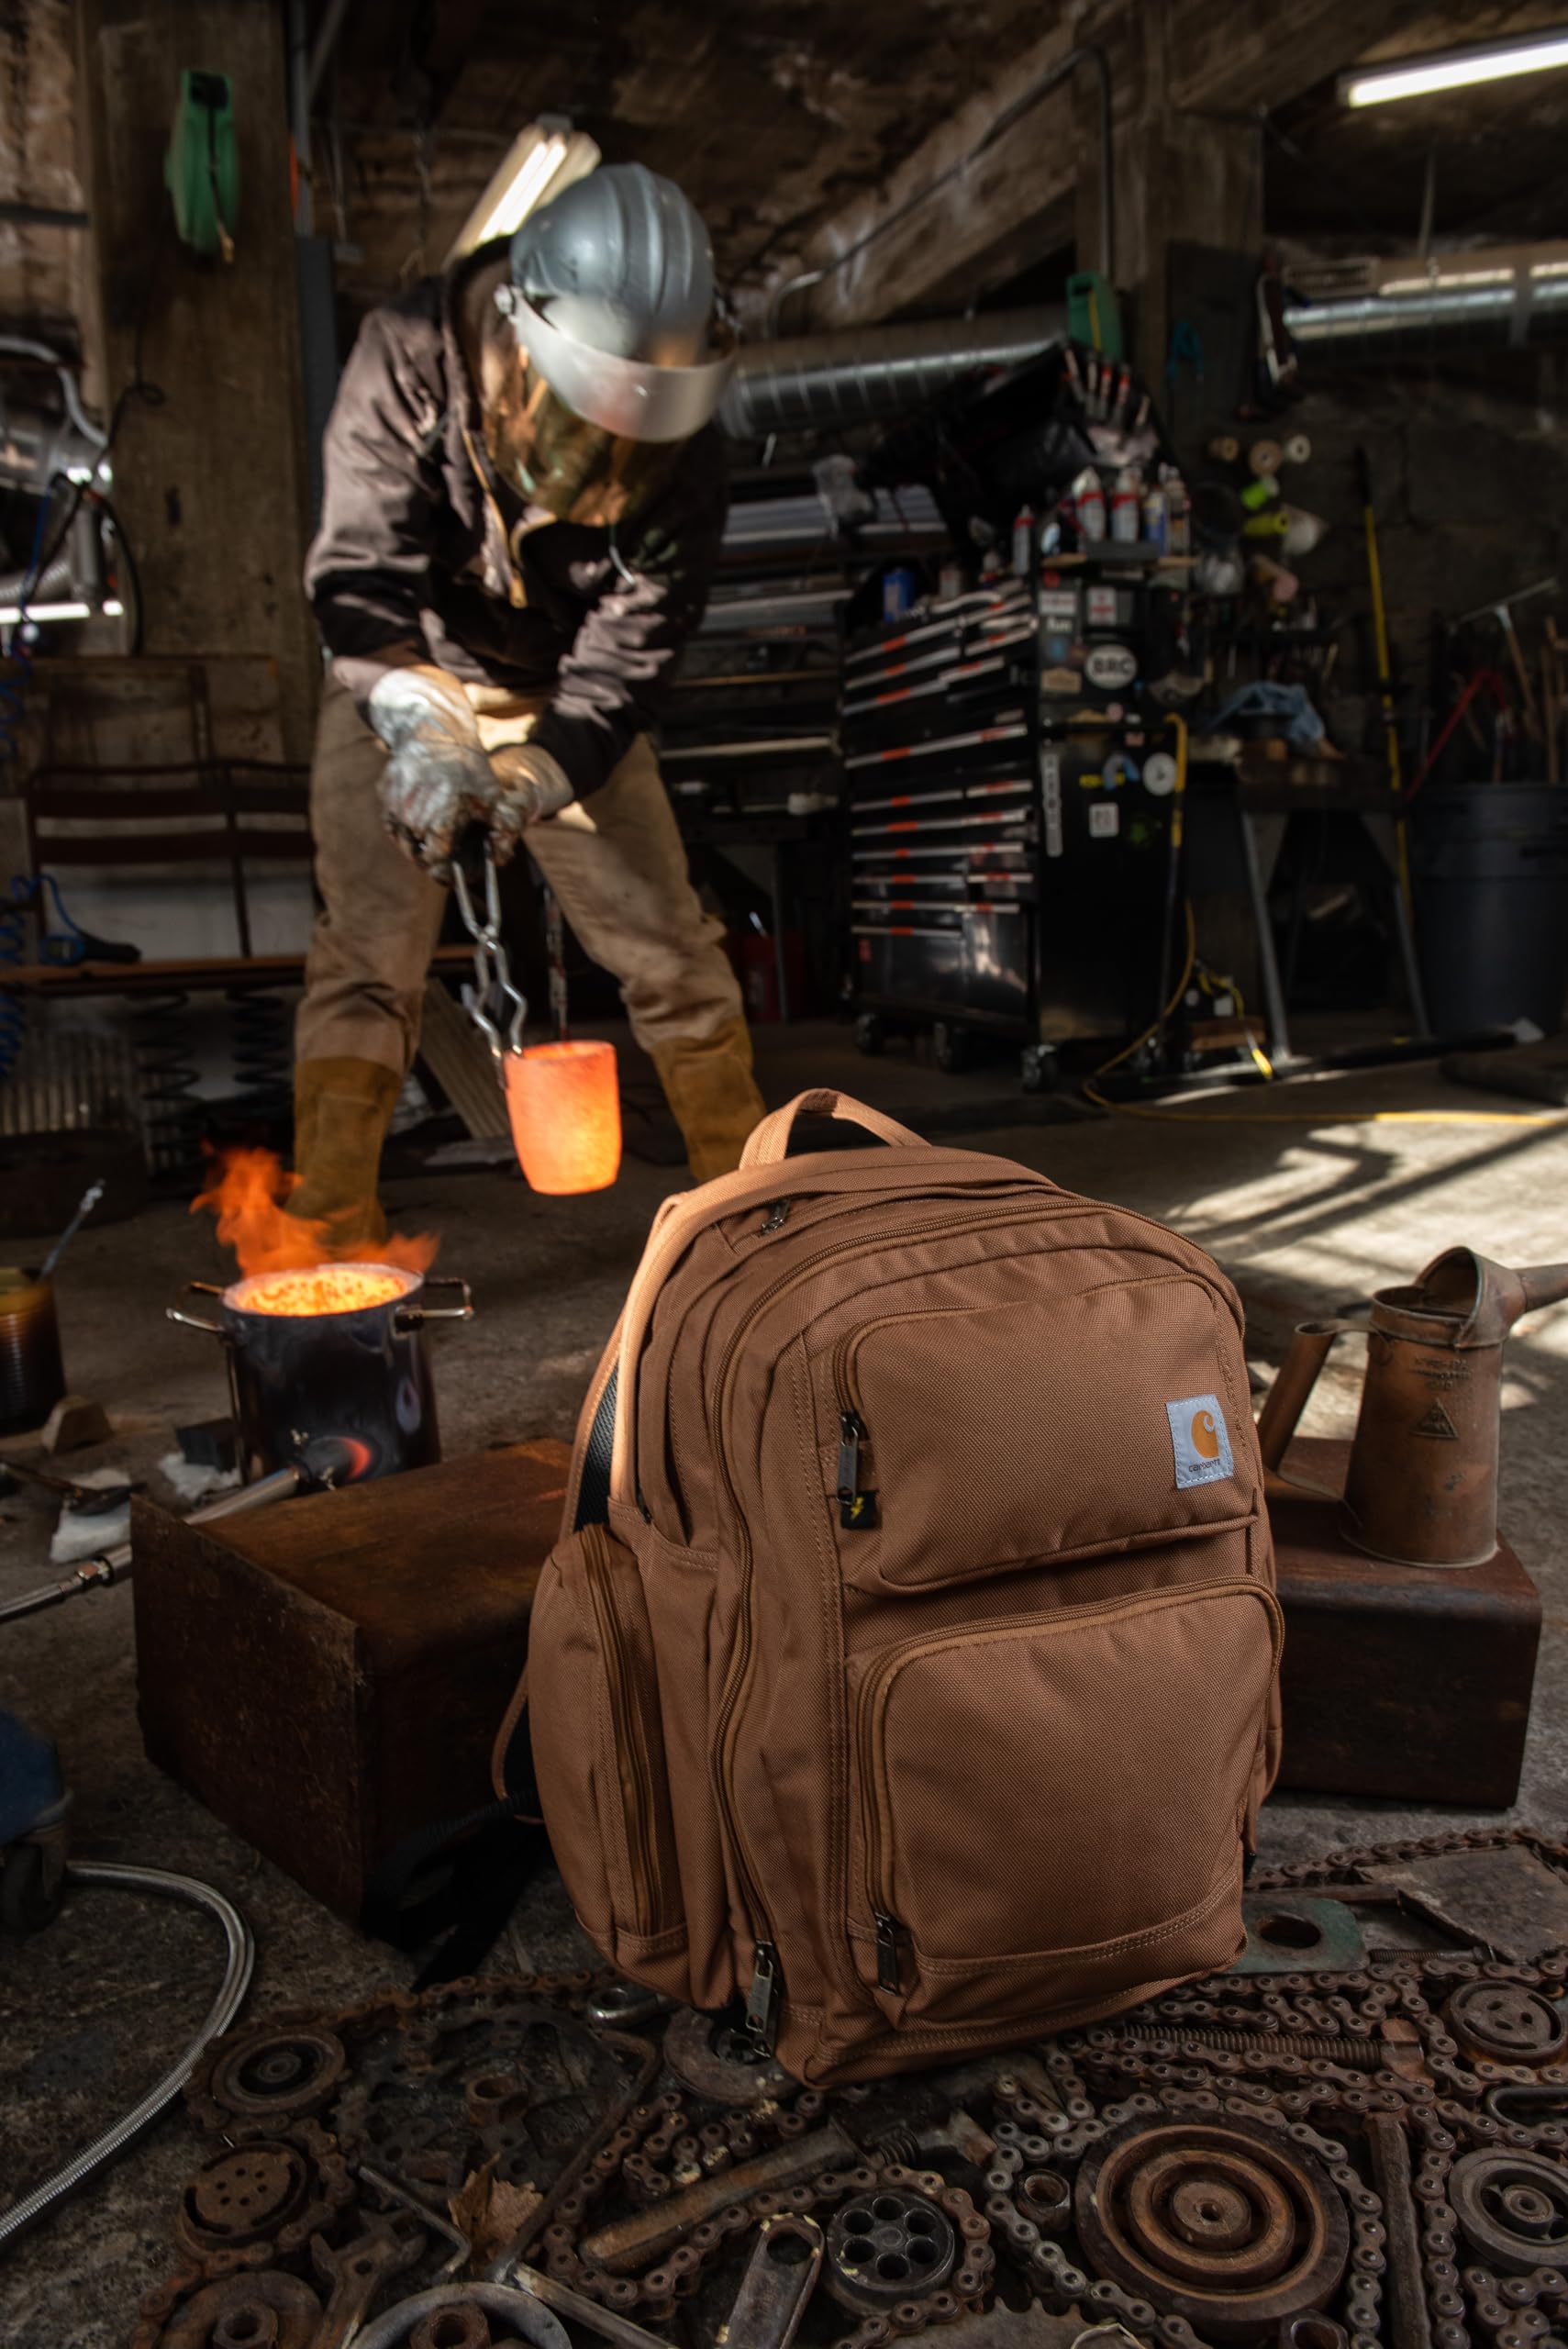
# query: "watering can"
1422,1487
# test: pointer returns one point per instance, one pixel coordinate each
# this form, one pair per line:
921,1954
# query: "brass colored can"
32,1378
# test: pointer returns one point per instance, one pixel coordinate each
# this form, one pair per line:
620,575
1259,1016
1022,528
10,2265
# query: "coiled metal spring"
172,1118
262,1028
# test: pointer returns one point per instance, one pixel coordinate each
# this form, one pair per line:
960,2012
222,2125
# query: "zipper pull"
887,1973
857,1510
778,1215
762,2000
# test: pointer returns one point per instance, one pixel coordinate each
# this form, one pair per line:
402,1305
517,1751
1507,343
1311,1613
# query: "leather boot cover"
708,1083
342,1111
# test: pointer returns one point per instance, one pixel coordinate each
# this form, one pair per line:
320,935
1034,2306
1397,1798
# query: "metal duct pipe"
866,372
1516,312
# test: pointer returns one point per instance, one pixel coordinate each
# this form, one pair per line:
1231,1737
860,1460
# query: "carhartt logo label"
1200,1440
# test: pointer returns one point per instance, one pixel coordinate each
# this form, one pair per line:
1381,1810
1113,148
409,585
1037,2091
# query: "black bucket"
1489,865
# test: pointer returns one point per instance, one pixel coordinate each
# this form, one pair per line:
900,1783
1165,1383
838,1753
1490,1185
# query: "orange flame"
248,1191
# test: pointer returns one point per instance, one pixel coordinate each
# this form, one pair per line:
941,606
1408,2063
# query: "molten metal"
327,1288
248,1191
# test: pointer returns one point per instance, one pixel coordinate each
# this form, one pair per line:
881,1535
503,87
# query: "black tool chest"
1008,806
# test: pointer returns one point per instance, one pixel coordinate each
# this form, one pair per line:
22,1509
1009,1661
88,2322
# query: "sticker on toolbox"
1100,606
1061,681
1051,796
1059,608
1104,820
1110,666
1159,775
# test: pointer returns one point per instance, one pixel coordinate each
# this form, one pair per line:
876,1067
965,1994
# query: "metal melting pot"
358,1372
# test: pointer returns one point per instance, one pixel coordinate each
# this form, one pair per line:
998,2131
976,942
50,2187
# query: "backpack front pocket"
1051,1806
598,1748
1032,1423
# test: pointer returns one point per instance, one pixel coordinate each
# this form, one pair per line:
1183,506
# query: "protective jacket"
426,555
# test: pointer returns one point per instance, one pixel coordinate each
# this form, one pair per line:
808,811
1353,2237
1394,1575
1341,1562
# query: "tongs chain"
493,993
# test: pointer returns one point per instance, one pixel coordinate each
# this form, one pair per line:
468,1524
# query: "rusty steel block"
1399,1680
327,1674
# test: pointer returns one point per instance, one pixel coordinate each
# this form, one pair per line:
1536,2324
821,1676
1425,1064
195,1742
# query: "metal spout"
1486,1298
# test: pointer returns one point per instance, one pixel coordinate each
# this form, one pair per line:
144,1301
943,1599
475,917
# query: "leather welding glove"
530,786
437,780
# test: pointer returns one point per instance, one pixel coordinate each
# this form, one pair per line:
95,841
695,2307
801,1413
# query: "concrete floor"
1306,1212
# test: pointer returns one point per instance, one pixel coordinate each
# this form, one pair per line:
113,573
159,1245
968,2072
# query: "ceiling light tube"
1454,69
542,161
11,613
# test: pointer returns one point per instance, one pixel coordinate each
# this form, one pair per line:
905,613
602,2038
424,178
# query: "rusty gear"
1219,2222
275,2071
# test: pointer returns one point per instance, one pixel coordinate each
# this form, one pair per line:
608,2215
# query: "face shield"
589,435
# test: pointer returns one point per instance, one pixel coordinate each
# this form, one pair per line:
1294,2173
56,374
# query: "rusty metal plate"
1294,1932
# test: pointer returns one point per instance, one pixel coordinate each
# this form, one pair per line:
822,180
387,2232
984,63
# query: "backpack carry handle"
769,1140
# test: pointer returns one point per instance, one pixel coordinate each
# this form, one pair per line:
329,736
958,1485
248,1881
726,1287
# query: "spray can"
1023,542
1178,507
949,580
1127,507
1157,516
1089,505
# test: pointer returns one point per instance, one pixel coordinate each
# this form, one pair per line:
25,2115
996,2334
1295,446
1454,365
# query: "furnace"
336,1350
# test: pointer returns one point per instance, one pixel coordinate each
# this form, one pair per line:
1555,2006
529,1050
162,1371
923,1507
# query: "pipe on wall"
872,372
1086,53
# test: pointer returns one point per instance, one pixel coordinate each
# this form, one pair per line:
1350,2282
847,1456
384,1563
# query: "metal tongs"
494,1001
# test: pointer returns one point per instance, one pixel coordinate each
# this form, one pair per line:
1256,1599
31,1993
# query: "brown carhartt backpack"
907,1668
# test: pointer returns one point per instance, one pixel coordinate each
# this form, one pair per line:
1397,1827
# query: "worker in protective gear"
523,504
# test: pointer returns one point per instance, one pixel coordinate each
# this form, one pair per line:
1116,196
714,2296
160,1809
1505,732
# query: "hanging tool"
87,1202
1422,1487
1502,611
1385,679
1480,680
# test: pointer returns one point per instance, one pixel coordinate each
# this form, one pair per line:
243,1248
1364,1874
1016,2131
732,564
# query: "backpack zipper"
627,1715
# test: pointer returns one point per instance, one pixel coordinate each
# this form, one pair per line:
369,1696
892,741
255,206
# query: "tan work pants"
617,864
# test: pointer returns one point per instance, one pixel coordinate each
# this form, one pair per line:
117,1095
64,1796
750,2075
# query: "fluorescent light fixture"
1454,69
11,613
542,161
1438,275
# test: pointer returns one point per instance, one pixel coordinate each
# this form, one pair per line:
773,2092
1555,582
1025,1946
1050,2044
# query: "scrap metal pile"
1335,2147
